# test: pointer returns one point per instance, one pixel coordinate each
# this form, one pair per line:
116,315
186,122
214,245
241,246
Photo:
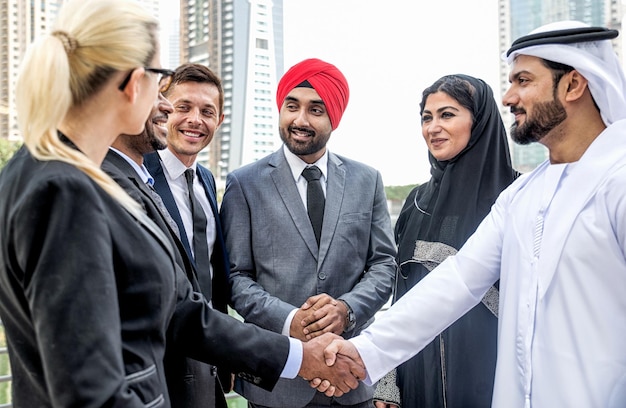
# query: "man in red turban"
327,81
308,234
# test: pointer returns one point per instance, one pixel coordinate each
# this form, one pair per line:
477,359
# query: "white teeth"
191,134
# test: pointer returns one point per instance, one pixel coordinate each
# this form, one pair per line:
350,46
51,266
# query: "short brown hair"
197,73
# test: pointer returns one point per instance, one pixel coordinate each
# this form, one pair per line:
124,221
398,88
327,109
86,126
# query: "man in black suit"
190,382
188,379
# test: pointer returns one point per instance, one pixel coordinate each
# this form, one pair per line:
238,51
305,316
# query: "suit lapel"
209,188
220,257
335,187
283,180
155,167
125,170
220,295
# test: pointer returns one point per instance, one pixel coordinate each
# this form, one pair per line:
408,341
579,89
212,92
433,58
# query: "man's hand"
380,404
339,377
296,329
326,315
339,347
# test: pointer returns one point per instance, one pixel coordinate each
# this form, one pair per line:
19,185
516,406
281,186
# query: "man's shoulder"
255,167
351,164
121,172
203,169
206,176
114,165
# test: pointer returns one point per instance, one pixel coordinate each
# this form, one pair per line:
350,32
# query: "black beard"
546,116
302,149
156,144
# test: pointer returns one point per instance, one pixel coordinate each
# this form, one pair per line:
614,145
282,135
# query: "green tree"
7,149
398,193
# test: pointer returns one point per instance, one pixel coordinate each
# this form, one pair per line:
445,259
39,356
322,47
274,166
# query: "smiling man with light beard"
197,97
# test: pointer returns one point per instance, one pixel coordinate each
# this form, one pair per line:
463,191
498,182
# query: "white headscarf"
595,60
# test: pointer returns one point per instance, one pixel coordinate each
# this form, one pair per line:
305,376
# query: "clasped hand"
318,315
332,365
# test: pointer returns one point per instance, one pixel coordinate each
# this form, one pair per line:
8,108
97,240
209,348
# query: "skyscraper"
519,17
241,40
20,23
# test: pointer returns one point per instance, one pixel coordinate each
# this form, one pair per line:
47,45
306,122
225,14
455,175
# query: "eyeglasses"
164,79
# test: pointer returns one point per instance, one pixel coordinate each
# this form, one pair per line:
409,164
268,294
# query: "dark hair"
197,73
454,86
558,70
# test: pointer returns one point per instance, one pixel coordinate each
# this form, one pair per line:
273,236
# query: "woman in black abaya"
470,166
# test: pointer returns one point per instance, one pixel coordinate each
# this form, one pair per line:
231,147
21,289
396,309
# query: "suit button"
322,275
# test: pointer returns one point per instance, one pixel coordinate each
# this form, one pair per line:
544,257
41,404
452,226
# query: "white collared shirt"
296,165
141,171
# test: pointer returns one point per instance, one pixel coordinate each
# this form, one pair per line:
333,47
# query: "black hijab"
449,207
436,220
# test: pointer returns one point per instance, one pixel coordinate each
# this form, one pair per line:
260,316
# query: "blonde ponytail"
94,39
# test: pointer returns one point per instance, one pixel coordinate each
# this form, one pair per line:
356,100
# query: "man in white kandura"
556,239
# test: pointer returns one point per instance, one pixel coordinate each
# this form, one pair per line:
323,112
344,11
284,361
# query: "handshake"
332,365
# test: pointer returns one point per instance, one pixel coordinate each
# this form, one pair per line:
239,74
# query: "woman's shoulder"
26,178
413,193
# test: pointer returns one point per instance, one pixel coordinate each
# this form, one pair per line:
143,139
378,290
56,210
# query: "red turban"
327,81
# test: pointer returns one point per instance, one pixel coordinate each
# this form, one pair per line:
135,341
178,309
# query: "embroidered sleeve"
387,390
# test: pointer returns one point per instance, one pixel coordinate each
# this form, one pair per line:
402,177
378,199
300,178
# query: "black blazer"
89,294
191,383
220,295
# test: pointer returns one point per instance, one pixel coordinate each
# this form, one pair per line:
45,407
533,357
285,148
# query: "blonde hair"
91,40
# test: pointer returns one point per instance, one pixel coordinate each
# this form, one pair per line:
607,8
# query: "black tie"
200,245
161,206
314,199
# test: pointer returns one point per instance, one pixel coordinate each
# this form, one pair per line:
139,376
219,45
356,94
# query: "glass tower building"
21,22
242,41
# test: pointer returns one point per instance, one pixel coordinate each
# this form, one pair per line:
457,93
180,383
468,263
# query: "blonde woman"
89,287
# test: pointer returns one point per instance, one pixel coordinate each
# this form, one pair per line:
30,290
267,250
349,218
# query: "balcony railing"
5,372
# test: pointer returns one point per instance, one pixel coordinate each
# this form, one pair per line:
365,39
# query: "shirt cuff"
287,325
294,359
360,342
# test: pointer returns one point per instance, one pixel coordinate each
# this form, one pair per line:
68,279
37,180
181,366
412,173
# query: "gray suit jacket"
275,265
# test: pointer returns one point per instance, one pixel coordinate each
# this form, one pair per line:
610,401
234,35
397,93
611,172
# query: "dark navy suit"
220,293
